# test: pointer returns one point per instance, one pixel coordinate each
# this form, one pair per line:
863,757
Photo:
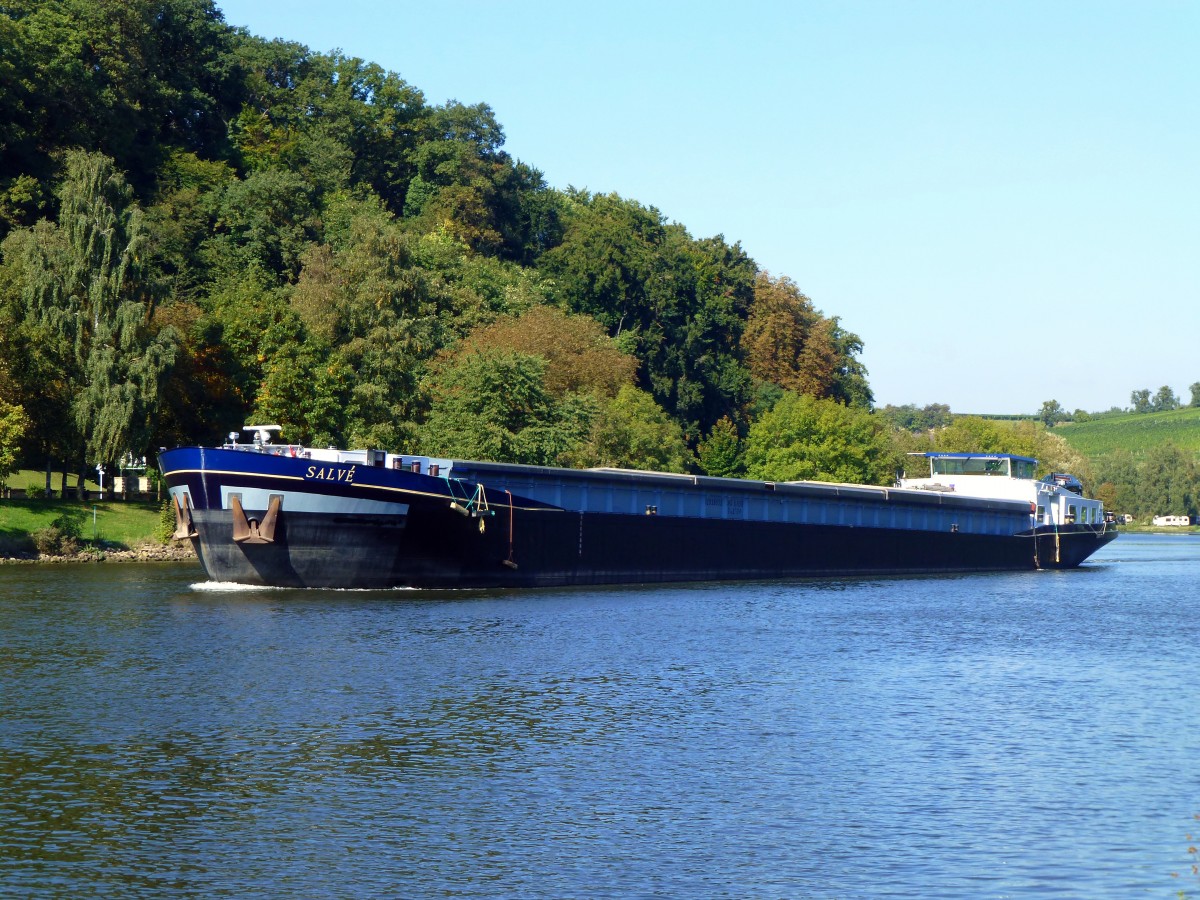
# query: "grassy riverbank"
31,523
36,479
107,524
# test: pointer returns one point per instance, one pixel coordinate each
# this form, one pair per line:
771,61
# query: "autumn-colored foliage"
787,341
579,356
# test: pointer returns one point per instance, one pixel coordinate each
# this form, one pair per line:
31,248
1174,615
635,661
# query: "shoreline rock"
173,552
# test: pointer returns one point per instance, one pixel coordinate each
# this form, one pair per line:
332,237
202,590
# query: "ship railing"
421,465
298,451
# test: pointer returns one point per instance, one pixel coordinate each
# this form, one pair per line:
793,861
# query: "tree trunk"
49,474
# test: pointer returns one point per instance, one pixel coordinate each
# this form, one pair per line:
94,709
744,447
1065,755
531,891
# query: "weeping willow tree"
84,301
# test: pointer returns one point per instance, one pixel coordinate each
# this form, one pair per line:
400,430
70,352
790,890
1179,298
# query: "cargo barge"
265,513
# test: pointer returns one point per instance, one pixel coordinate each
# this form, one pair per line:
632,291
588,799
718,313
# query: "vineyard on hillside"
1135,432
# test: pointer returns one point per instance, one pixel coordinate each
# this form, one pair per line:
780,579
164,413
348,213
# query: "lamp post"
100,474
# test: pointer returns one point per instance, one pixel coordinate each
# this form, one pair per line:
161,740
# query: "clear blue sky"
1000,199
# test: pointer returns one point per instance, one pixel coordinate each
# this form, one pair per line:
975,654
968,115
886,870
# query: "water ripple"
1025,735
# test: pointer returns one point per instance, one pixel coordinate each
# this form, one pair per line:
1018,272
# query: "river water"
1016,735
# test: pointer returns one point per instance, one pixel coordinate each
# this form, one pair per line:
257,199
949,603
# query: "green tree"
304,393
677,303
494,405
606,260
631,431
81,290
808,438
579,356
126,77
18,133
467,186
201,399
267,221
246,320
910,418
851,386
472,289
31,372
339,123
1052,413
13,423
1123,472
183,216
383,317
1141,401
1165,399
1168,481
721,453
698,369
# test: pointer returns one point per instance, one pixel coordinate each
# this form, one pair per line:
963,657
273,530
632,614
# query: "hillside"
240,230
1135,432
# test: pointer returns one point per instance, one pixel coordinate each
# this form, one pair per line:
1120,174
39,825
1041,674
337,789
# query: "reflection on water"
1028,735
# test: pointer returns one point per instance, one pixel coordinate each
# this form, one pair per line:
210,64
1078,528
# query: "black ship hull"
437,551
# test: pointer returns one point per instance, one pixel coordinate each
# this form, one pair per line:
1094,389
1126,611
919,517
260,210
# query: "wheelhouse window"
970,466
1024,468
1004,466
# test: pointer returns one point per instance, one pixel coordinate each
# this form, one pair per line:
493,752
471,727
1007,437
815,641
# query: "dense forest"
203,228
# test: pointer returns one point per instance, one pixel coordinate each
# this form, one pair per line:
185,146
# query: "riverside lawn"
100,528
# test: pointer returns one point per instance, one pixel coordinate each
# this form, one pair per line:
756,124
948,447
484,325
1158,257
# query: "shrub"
50,541
166,521
61,537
